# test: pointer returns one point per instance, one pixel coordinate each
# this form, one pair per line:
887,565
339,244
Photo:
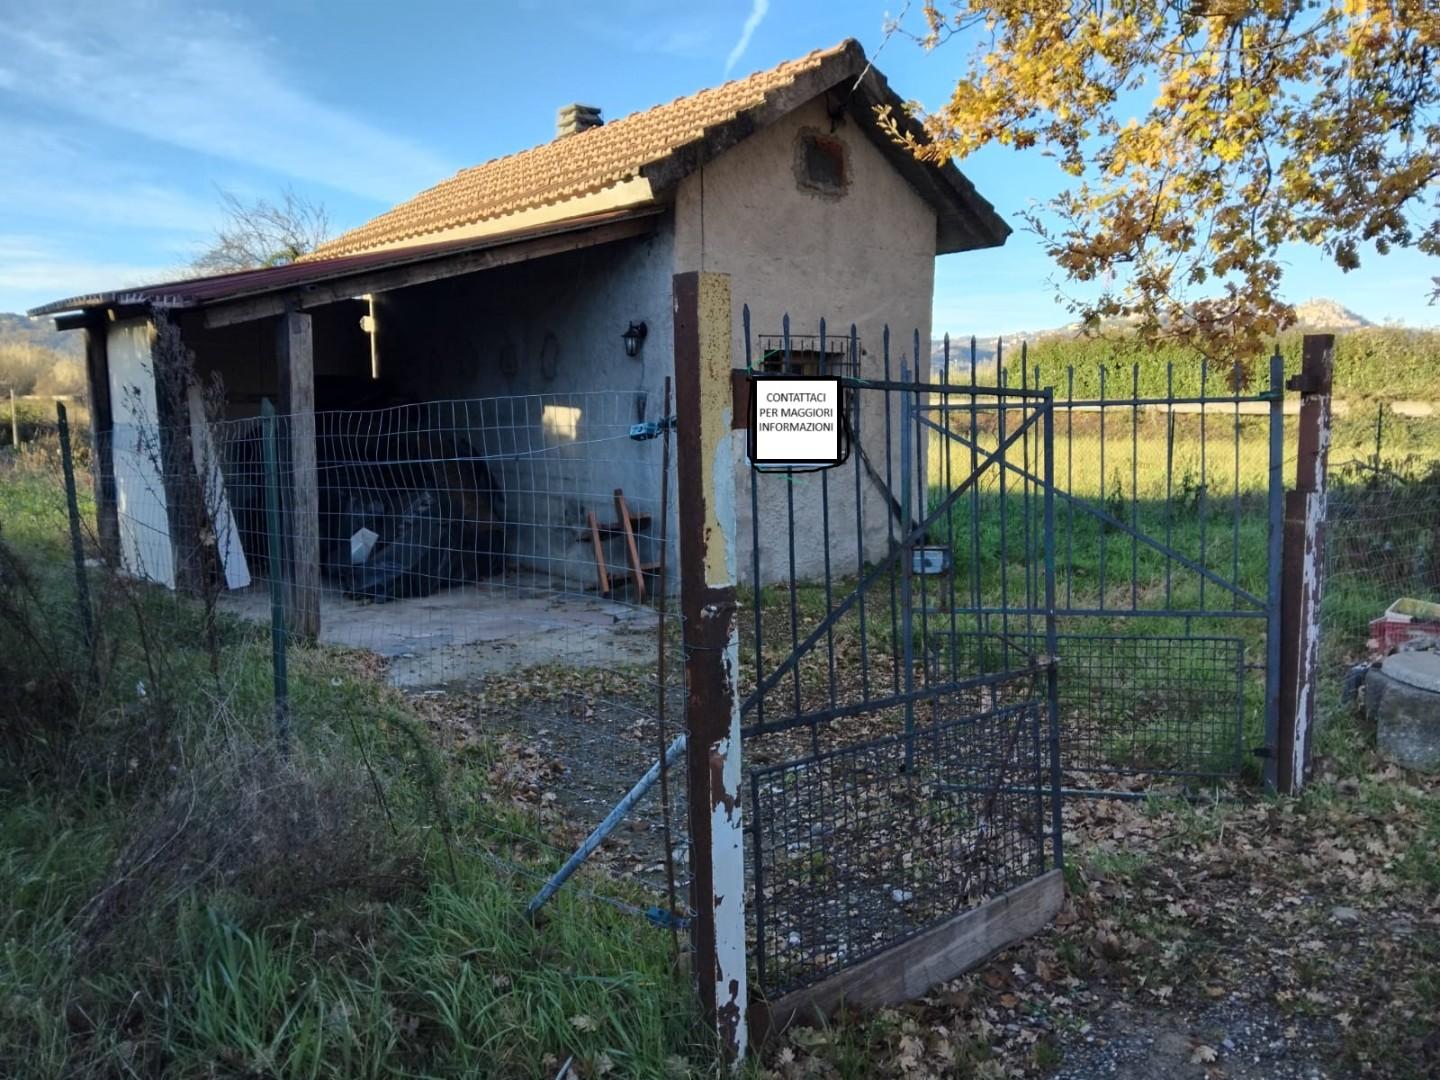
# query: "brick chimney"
571,119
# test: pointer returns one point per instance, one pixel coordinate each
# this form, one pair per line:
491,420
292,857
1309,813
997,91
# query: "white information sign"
796,421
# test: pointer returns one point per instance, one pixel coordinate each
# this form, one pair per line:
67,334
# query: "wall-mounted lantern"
634,338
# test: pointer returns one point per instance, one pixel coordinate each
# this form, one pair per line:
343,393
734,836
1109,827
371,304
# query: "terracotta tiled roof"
584,163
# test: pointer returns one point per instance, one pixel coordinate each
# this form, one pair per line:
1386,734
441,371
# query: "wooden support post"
294,351
632,553
102,435
708,605
1303,567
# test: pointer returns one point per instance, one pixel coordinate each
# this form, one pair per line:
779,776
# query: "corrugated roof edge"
197,292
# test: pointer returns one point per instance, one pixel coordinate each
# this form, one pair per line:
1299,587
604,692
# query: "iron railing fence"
1168,487
865,845
891,784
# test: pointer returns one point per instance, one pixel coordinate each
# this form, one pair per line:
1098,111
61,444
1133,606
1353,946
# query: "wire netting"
858,848
1382,545
504,562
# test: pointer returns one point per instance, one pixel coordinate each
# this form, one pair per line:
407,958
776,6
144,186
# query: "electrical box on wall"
929,561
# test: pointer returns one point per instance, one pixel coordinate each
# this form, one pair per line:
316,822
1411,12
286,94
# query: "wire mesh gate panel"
886,793
1168,484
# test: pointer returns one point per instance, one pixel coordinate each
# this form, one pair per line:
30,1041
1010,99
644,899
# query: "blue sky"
120,119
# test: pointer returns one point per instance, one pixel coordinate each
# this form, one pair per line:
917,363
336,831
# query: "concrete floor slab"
467,631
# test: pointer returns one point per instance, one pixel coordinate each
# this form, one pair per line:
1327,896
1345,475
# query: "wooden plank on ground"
914,967
637,575
604,578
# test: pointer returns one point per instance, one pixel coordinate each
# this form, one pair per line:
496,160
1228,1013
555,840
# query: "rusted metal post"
1303,569
706,505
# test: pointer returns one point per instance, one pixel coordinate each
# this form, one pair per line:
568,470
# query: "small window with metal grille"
804,355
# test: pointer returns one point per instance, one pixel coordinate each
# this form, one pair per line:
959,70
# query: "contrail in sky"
758,9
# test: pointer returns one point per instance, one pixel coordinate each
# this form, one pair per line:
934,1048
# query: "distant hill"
40,333
1327,315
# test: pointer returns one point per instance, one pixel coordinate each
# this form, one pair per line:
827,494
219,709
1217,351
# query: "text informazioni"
795,421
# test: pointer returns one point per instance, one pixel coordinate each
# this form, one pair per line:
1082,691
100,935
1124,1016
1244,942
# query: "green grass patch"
181,897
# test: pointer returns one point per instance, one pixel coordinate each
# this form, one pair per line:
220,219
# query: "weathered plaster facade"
547,332
866,257
548,328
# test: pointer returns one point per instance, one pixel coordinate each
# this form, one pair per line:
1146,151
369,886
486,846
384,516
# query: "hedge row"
1378,363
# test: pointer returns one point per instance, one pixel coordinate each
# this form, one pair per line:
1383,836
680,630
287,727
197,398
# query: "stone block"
1402,696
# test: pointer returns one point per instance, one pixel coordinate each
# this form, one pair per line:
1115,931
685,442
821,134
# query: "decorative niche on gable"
822,164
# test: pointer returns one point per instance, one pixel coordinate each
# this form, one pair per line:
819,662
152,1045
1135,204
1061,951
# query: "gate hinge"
1304,383
1262,752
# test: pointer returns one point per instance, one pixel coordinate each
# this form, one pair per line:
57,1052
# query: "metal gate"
1168,490
901,751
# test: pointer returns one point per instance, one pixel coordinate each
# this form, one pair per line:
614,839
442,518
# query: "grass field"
1149,674
180,898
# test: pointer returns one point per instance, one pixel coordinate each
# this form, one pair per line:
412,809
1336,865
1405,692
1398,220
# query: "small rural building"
517,317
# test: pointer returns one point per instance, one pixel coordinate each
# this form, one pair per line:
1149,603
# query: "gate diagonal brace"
774,678
612,821
1116,523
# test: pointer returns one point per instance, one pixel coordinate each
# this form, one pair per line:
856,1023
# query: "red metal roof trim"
197,292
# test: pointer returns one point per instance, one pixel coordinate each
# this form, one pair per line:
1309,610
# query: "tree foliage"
264,233
1201,135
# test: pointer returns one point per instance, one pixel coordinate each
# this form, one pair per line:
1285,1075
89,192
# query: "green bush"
1379,363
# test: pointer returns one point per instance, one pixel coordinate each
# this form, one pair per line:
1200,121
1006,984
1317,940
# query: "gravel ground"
1233,1038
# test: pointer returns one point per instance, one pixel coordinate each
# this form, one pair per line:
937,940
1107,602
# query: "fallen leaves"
1317,910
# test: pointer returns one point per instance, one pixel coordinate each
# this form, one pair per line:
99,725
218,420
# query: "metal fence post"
1052,637
1276,541
77,547
708,606
907,598
1304,565
276,574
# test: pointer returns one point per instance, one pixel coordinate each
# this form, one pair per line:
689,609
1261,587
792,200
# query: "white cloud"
50,176
758,10
35,270
203,81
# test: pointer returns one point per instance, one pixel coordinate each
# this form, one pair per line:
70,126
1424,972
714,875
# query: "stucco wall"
556,428
867,257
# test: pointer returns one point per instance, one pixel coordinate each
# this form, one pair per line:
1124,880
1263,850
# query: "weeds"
181,898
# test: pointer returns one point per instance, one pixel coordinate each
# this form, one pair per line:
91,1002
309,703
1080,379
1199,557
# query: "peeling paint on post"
1304,565
706,506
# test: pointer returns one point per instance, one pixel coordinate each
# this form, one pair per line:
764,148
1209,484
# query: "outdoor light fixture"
633,338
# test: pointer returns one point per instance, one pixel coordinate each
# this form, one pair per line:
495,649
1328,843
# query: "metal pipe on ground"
597,836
